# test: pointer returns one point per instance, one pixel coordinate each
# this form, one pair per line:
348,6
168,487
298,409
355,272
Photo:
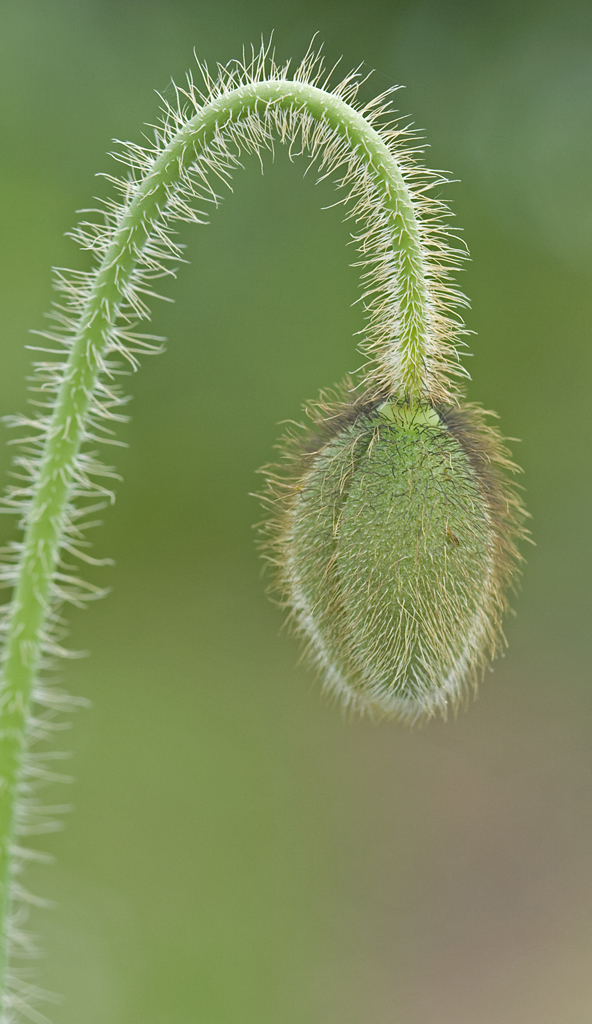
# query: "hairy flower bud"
394,544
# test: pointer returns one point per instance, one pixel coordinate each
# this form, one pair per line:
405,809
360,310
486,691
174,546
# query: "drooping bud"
394,547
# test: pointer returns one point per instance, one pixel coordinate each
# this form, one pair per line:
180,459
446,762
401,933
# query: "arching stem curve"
405,370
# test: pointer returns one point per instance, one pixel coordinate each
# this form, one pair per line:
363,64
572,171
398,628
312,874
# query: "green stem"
46,515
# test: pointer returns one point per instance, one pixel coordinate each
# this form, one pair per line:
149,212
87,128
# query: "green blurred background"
240,854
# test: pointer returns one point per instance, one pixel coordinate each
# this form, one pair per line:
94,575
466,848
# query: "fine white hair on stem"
412,336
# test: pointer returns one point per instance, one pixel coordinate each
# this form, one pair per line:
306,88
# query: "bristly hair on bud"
392,534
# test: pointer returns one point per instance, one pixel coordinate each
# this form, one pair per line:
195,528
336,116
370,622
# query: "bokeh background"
238,852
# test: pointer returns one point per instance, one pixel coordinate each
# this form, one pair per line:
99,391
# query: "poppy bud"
395,544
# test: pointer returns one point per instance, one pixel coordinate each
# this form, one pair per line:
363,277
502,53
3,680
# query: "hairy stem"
404,371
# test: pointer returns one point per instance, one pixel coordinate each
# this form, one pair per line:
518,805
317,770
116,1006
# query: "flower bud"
394,546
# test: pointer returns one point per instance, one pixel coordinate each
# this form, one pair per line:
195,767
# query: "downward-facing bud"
394,546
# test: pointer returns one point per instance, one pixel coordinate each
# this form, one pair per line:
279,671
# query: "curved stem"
45,519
